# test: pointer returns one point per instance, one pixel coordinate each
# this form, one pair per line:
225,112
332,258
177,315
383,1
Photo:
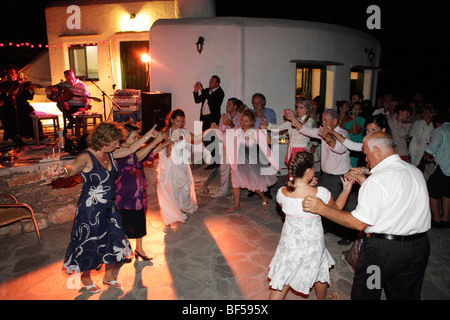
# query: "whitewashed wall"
252,55
107,23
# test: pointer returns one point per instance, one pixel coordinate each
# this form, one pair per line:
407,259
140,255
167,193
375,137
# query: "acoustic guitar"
54,94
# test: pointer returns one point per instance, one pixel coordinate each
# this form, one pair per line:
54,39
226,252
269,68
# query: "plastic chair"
13,212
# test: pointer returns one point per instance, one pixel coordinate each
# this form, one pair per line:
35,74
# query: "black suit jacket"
214,102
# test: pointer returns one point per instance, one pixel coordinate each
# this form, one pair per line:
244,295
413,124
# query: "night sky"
414,34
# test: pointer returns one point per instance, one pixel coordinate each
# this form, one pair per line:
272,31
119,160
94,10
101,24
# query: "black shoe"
439,224
143,257
344,242
211,166
268,194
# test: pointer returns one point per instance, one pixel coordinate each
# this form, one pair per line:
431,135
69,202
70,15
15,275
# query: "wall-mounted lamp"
145,58
199,44
370,54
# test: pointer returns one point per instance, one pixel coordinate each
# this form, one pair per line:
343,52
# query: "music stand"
104,101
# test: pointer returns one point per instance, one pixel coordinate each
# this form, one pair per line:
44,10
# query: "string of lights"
40,45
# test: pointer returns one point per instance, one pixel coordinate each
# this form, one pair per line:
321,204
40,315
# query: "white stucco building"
261,55
103,41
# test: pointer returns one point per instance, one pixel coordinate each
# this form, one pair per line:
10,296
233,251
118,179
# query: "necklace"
102,159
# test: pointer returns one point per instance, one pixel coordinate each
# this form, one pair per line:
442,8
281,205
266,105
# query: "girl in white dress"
176,188
301,260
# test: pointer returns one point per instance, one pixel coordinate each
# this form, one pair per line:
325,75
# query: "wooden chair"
13,212
82,122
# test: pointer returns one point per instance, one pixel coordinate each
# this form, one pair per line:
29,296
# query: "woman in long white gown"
176,188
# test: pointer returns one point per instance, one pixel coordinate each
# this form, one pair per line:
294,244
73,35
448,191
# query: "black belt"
396,237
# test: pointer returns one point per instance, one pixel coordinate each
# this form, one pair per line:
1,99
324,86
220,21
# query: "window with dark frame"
83,61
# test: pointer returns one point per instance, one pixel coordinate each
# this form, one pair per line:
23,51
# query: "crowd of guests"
393,156
357,145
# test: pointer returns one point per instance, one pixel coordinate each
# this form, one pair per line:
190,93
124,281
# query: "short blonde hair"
105,133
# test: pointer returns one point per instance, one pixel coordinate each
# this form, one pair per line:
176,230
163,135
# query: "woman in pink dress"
253,165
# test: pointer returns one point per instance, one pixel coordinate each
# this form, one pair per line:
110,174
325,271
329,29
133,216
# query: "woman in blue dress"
97,235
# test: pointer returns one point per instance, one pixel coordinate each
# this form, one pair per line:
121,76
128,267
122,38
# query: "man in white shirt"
80,100
393,210
335,157
228,120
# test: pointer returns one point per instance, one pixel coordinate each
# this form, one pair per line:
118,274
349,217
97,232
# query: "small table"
81,122
46,116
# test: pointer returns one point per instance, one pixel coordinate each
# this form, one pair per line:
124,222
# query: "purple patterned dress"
131,194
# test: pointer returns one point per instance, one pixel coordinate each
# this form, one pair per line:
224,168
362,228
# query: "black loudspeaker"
155,108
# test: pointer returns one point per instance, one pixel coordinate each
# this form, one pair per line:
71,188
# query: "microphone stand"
104,101
63,110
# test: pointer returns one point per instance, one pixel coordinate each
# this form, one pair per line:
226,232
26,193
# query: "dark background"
414,35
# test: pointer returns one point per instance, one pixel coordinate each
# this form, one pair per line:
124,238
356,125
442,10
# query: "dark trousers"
398,266
68,111
334,184
210,140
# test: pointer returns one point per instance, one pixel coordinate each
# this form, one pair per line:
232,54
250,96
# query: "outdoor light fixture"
370,54
145,58
199,44
132,16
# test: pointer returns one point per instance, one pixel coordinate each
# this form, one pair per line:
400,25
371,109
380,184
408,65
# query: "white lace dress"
301,258
176,187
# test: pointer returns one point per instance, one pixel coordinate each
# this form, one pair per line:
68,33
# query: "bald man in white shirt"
394,212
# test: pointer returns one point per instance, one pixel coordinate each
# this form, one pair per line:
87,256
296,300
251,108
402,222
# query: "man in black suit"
210,112
213,96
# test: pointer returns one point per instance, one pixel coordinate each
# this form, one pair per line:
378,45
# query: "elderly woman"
97,235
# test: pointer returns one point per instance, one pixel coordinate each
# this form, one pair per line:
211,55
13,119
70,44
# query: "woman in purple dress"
131,189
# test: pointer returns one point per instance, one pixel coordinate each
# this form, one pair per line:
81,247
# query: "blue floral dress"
97,235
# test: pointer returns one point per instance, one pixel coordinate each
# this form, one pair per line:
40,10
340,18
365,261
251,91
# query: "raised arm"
125,151
143,152
289,115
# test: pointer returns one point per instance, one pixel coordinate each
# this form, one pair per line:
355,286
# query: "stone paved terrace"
213,256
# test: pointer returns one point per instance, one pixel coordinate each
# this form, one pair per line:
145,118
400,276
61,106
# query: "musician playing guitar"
75,97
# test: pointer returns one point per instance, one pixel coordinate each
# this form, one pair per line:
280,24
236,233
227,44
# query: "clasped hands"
315,205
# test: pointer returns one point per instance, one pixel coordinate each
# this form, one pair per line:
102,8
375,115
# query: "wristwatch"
329,140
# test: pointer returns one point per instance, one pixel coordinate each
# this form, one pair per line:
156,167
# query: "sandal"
233,209
265,205
333,296
92,288
113,284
